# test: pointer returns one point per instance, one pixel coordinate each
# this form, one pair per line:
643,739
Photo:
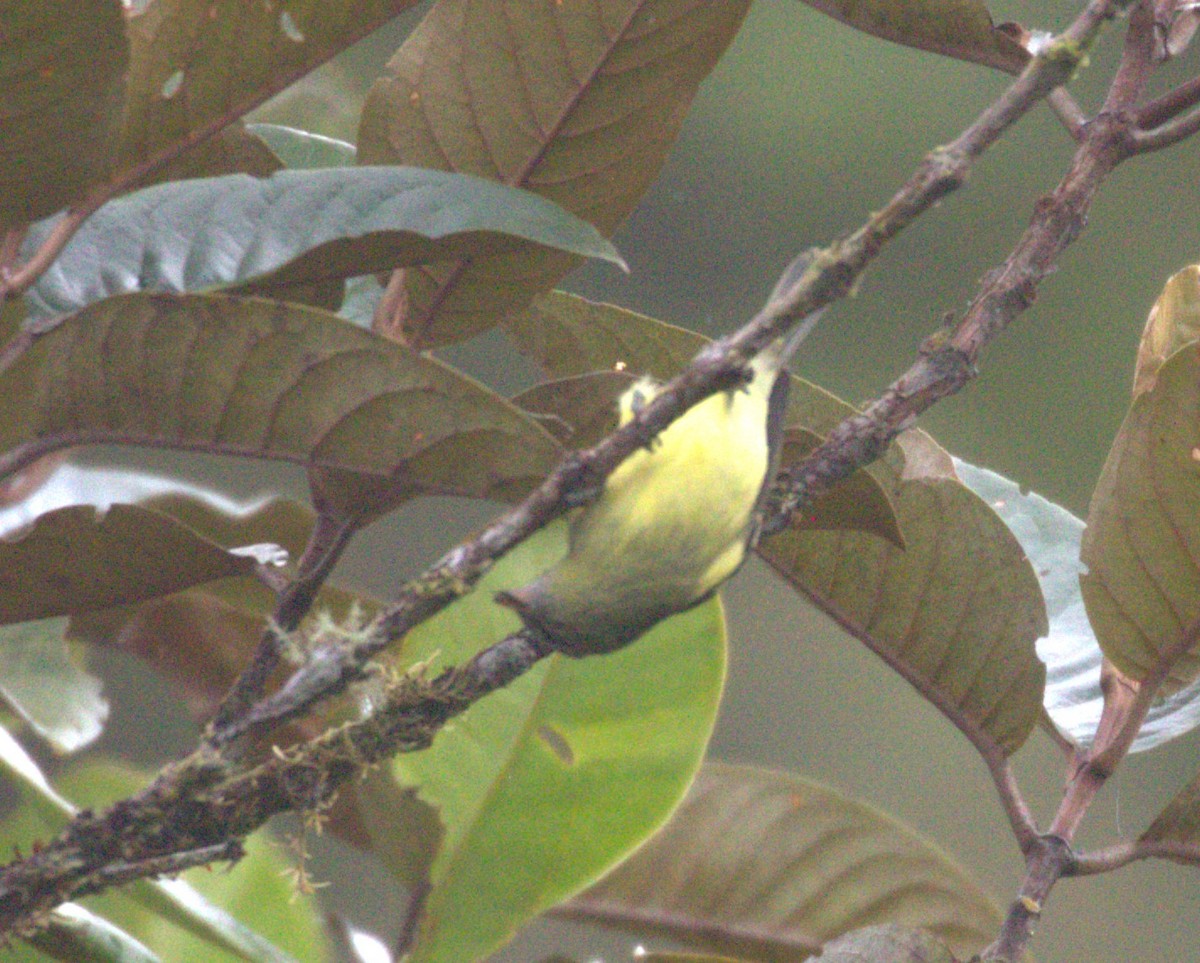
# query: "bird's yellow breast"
678,513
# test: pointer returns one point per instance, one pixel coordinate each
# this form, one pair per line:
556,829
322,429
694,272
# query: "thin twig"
1170,105
200,805
10,248
17,280
1167,134
1115,857
330,537
1068,111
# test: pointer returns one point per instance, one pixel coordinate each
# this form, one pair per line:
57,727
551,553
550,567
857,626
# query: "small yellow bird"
673,521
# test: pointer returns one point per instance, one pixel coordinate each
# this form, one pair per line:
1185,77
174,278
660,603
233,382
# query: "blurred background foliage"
805,127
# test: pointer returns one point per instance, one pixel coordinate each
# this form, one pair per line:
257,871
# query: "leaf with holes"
196,65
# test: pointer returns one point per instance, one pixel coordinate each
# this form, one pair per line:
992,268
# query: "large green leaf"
197,65
962,29
579,104
1142,542
251,377
545,785
770,866
295,228
62,68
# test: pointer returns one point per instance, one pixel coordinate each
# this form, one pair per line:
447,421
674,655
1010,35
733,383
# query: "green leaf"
1173,322
243,376
547,784
957,612
771,866
62,66
887,944
197,65
1179,822
292,229
962,29
567,335
232,151
302,149
580,109
76,560
42,683
1142,542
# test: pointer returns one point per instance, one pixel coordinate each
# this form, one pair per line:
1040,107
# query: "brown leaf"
62,71
581,109
962,29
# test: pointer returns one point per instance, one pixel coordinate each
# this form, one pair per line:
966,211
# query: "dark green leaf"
76,560
295,228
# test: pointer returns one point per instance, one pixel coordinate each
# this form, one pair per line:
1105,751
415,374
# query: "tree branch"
199,808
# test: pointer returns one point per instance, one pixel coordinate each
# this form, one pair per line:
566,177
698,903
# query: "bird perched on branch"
674,520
